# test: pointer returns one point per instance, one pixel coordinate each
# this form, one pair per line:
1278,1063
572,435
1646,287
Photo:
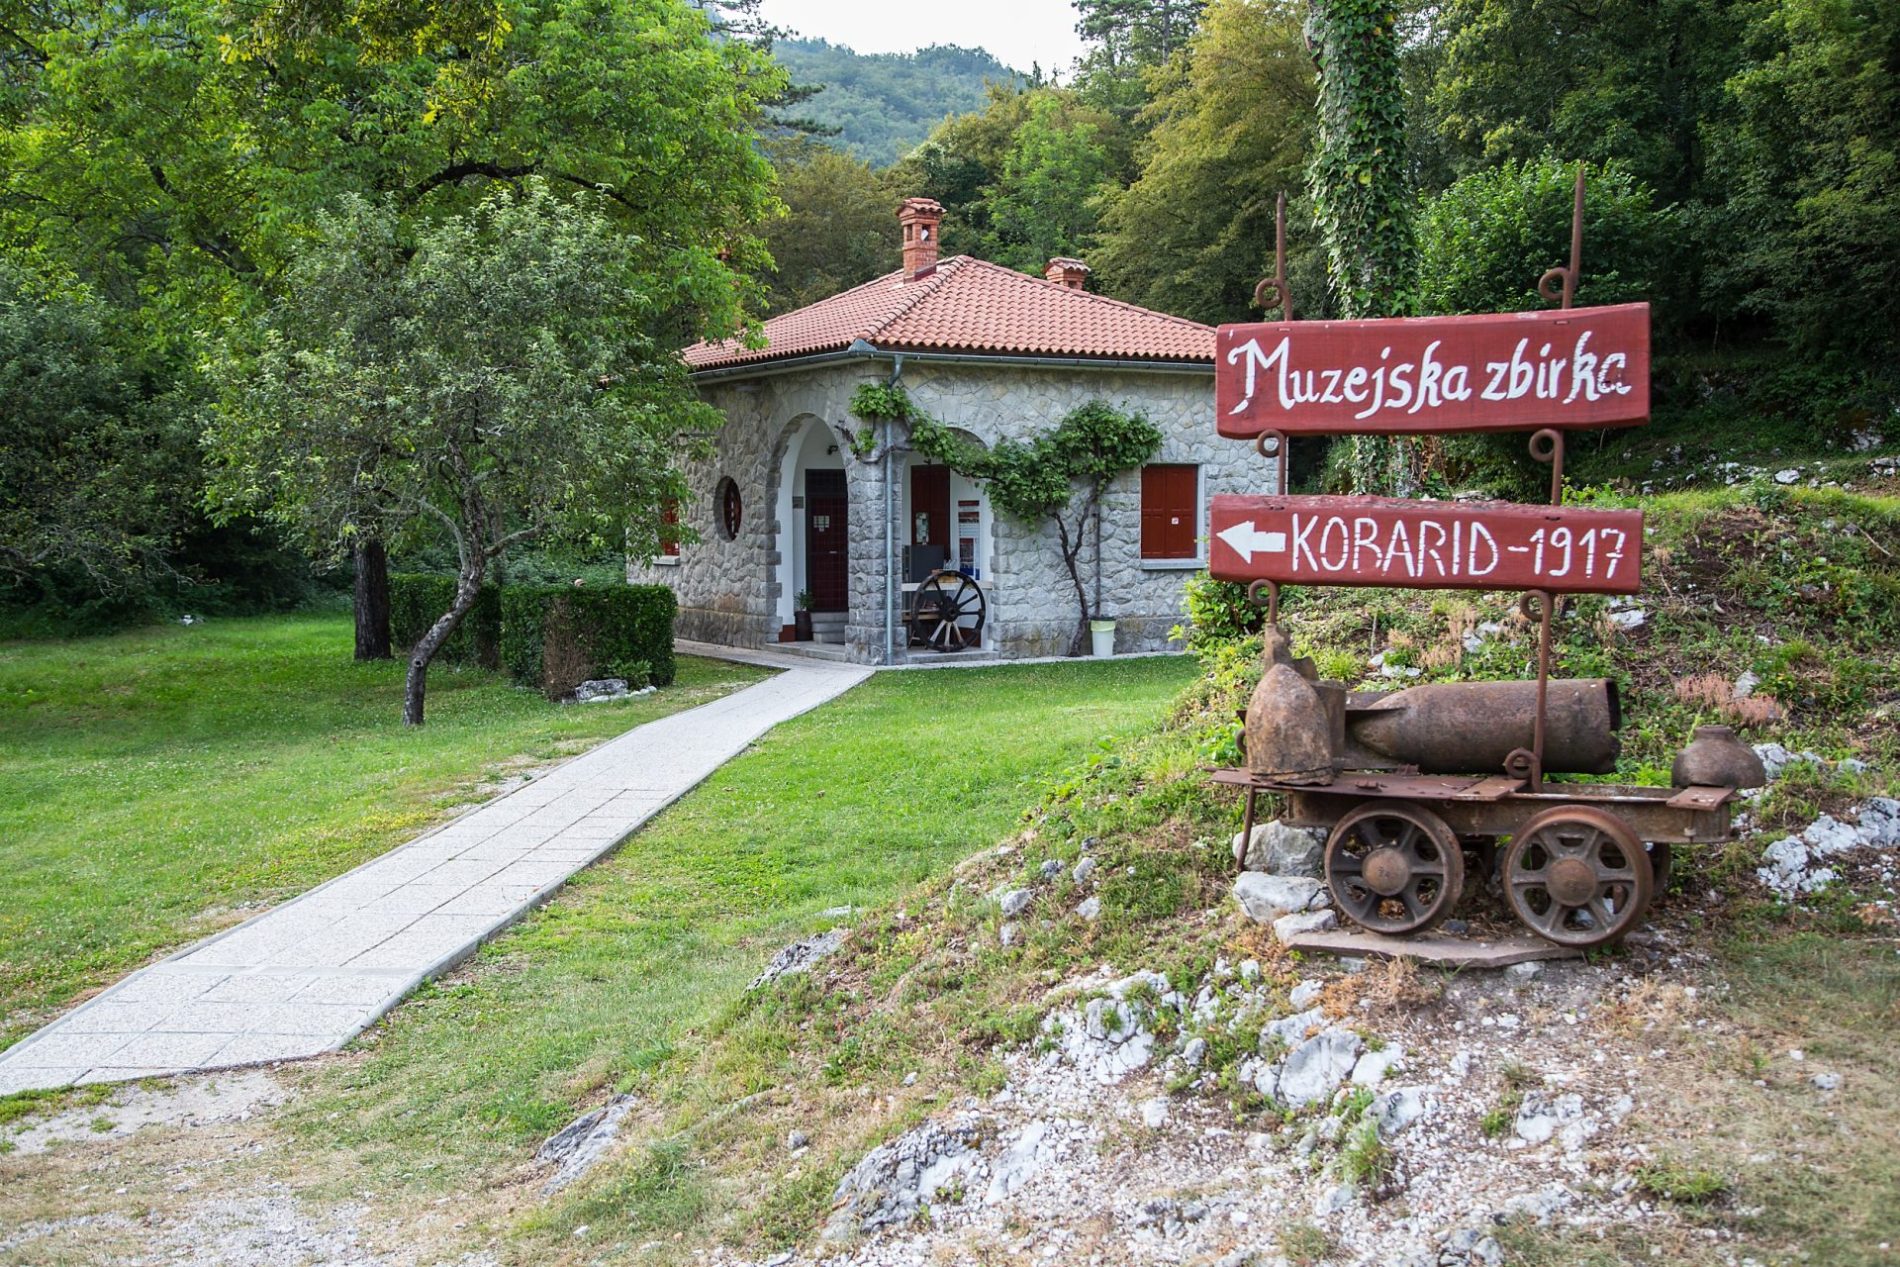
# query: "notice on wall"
1425,544
1572,367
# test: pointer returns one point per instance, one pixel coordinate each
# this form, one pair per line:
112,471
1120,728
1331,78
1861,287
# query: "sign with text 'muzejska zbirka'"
1425,544
1519,371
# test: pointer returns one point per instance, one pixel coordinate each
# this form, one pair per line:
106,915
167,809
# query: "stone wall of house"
728,589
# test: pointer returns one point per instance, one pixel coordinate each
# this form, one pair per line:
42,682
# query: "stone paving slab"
308,976
1436,947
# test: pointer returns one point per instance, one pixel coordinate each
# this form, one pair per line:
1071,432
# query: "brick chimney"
1064,271
919,218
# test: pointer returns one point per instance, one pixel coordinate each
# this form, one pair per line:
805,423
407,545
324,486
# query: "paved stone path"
308,976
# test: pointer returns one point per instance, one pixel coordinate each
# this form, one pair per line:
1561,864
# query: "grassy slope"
925,985
612,984
158,783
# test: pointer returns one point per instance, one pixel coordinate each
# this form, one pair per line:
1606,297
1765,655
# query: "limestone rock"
578,1145
893,1180
800,956
1281,850
1314,1069
1266,898
1287,927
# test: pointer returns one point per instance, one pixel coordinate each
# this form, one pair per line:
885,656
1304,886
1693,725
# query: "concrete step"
814,650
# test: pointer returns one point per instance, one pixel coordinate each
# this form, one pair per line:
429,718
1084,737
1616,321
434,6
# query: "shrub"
552,633
1218,611
417,601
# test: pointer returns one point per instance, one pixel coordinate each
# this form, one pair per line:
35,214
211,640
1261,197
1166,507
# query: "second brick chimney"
918,219
1064,271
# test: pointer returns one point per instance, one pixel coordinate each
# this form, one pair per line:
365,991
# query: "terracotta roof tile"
970,305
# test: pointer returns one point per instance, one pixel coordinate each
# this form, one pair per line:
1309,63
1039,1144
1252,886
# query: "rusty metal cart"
1582,863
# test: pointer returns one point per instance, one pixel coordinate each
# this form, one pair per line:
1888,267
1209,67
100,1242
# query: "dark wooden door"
930,506
827,538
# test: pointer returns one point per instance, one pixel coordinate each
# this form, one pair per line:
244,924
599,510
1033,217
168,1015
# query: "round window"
731,509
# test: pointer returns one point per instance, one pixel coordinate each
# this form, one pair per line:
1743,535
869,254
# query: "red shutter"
1170,506
669,517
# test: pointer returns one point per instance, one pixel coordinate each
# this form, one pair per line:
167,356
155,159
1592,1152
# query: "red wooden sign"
1568,367
1425,544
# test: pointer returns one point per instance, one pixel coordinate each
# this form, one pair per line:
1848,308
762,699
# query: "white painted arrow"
1246,540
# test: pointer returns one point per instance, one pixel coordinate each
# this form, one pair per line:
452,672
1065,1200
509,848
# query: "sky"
1018,32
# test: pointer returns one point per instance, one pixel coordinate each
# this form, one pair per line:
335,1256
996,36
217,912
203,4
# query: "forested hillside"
885,103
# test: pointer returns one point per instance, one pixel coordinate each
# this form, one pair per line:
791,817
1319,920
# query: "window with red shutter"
1170,510
669,518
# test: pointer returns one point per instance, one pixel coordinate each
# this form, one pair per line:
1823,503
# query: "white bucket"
1102,637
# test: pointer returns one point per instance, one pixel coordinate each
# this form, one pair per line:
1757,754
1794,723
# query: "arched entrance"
944,524
814,517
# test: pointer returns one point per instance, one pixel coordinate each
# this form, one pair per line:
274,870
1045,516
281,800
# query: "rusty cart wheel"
1577,876
1394,868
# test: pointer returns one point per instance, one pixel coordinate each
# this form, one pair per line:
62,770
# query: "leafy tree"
1231,125
489,377
840,226
1810,148
1057,476
175,155
86,456
1630,80
1485,241
1137,32
960,162
1127,41
1044,201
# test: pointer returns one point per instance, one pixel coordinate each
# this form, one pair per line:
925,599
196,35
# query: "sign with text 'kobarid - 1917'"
1425,544
1568,367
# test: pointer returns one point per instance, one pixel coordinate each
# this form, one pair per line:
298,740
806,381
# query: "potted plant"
801,619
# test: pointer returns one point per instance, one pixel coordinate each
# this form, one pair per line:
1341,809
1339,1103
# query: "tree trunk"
415,685
372,601
1095,523
1071,549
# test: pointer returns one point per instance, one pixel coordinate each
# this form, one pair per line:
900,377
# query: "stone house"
786,505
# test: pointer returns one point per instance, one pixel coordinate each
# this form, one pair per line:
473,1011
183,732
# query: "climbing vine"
1361,199
1057,475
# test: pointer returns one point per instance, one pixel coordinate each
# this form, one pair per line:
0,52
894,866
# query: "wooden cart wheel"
1576,875
947,612
1394,867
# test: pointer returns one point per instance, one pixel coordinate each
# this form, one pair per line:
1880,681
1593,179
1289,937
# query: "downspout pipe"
890,531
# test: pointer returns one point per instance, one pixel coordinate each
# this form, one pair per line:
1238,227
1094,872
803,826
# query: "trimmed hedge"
611,631
417,601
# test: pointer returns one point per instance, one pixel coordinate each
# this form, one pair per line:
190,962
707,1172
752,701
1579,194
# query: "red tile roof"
970,305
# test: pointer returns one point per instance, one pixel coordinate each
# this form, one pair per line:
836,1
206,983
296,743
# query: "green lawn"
158,784
847,805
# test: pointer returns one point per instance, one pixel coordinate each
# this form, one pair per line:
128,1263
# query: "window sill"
667,561
1173,565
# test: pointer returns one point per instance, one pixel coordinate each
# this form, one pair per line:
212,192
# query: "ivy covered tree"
488,377
1362,199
